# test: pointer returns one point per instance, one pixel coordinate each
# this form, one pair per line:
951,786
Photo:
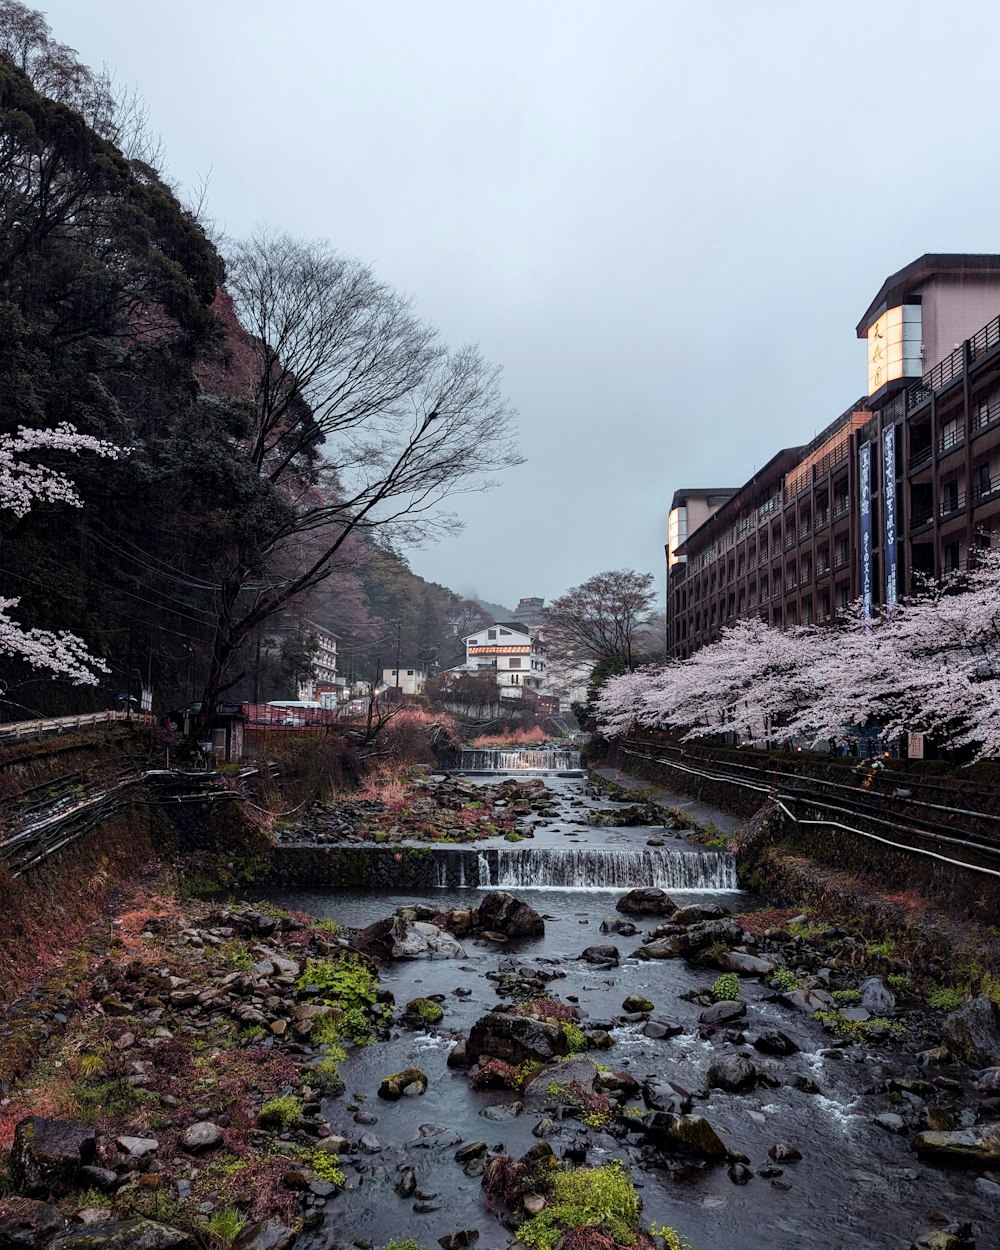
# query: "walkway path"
704,813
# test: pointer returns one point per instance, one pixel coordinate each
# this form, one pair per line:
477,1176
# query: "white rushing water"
584,868
552,759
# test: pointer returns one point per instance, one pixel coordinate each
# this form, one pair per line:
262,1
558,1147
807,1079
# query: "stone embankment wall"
375,867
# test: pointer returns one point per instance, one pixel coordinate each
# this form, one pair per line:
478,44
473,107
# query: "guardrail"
922,821
15,730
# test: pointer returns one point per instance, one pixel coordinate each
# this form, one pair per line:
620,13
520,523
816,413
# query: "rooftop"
899,285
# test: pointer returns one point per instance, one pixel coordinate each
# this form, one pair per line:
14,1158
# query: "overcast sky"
663,219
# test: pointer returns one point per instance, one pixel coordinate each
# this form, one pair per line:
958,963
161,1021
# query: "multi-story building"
529,611
904,484
407,680
513,650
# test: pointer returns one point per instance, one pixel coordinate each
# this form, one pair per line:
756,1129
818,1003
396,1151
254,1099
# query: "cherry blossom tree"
931,665
23,483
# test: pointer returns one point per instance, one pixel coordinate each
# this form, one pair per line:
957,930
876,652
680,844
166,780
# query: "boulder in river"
734,1073
503,913
647,901
774,1042
723,1013
269,1234
697,912
47,1154
660,1094
978,1146
683,1134
685,941
973,1032
516,1038
744,965
404,936
952,1237
411,1082
606,955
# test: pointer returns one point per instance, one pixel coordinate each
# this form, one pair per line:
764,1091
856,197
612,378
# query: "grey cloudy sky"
664,219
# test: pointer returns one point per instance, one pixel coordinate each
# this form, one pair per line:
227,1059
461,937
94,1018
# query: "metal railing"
920,516
952,502
986,414
984,487
14,730
840,559
922,455
950,439
841,507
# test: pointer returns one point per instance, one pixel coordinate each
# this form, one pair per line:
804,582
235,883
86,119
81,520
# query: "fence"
15,730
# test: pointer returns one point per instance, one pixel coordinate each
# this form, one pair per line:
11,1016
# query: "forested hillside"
235,501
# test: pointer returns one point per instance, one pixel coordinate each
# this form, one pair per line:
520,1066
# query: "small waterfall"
552,759
607,868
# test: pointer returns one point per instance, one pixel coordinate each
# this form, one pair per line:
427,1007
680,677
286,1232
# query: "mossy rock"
411,1082
425,1009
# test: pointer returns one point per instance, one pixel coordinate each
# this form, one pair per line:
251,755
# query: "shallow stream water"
856,1186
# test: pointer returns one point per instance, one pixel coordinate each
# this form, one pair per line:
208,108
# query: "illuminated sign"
894,346
514,649
865,466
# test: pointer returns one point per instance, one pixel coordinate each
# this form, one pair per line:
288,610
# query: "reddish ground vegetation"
496,1074
756,922
533,737
548,1009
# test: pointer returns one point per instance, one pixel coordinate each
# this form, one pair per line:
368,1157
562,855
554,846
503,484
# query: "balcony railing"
920,515
805,529
921,456
949,440
841,507
790,541
985,415
840,559
822,518
952,503
985,487
790,583
823,569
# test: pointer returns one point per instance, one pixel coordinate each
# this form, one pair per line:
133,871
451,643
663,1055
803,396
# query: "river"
856,1186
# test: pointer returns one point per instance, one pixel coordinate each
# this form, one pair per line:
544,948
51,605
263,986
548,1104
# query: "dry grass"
533,737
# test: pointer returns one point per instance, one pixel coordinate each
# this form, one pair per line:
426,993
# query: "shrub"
405,1243
726,987
285,1111
603,1197
671,1238
575,1037
846,997
496,1074
326,1166
428,1010
785,980
881,950
343,983
225,1226
945,998
356,1027
899,982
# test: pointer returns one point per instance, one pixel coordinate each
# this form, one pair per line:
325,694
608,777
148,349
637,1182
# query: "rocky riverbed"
474,1065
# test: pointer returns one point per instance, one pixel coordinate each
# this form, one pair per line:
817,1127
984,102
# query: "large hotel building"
905,482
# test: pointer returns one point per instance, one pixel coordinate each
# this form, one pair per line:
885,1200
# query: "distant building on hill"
529,611
513,650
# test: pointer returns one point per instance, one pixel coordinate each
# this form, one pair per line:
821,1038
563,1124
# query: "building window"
514,662
491,633
981,481
951,557
949,497
409,672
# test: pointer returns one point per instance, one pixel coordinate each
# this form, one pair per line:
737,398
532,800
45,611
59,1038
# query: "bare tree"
357,418
602,620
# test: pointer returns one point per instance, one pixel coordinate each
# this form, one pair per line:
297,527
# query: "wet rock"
459,1241
723,1013
876,996
891,1122
647,901
506,914
733,1073
406,1186
774,1042
137,1147
988,1081
973,1032
616,924
516,1038
423,1011
744,965
783,1153
698,912
622,1084
365,1117
683,1134
47,1154
662,1095
659,1028
200,1137
954,1237
636,1002
696,937
269,1234
401,936
458,1056
809,1001
31,1226
471,1150
503,1112
979,1145
370,1144
399,1083
606,955
739,1173
131,1234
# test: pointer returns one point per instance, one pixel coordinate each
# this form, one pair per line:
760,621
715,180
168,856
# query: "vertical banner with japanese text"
865,495
889,513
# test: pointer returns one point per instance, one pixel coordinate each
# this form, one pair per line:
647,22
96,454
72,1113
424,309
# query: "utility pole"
398,631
